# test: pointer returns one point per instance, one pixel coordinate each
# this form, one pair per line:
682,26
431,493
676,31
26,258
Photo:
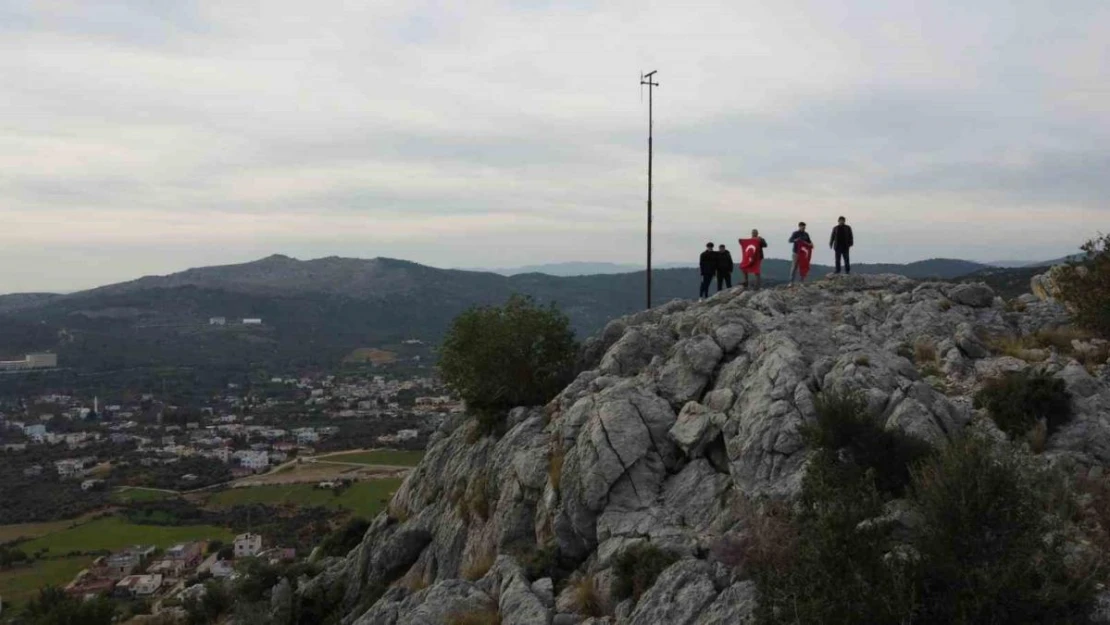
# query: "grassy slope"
20,584
115,533
365,499
140,494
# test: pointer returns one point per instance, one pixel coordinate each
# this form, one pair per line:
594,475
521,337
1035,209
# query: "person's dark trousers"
847,263
705,282
724,278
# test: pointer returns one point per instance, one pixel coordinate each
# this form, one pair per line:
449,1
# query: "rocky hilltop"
680,414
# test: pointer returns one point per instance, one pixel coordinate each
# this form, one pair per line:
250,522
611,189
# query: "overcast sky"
147,136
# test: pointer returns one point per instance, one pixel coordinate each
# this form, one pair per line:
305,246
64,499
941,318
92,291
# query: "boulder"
974,295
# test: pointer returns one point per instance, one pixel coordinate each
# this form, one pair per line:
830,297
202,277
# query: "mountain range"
314,312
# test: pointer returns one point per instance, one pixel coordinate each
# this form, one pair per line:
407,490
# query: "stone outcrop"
679,413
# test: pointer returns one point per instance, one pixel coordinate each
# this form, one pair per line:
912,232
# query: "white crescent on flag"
804,250
749,247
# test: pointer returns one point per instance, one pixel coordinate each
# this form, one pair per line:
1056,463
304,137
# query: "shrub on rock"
1019,399
845,424
637,568
1085,286
498,357
985,556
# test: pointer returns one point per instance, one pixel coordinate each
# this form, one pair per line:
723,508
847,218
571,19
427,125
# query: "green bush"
844,424
53,606
1085,286
1019,399
981,554
496,358
984,550
637,568
835,571
343,540
539,561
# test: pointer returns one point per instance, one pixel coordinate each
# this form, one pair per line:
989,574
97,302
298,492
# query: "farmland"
365,499
386,457
20,584
111,533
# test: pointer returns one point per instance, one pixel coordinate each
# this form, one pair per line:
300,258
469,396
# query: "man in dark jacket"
840,242
795,240
707,263
724,268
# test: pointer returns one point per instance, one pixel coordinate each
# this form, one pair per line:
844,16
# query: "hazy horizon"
656,264
143,138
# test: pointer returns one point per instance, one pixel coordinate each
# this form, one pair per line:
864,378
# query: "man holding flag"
751,259
803,252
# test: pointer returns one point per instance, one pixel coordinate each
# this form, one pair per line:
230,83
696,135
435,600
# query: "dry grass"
555,466
586,598
863,361
487,616
924,352
1019,348
477,497
480,565
397,511
1037,437
945,305
1059,339
768,542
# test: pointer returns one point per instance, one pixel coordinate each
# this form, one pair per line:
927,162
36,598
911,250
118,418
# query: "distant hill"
318,311
582,268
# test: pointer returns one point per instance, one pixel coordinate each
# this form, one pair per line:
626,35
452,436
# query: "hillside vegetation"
319,311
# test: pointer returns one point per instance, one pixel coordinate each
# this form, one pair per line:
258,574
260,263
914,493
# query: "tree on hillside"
1085,286
519,354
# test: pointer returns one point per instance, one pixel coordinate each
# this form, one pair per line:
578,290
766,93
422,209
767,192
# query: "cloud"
179,133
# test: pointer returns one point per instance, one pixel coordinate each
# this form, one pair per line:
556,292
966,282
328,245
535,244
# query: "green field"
390,457
364,499
113,533
19,585
127,495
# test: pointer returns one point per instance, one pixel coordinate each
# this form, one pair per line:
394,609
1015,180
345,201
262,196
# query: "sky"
148,136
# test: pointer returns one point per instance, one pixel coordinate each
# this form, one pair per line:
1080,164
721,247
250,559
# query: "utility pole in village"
646,79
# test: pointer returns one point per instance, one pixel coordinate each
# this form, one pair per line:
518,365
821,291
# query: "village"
142,497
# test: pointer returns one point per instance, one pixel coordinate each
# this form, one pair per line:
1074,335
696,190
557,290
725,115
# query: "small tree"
1019,399
1085,286
519,354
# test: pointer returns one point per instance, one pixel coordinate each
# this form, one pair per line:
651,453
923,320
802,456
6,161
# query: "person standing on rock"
707,263
798,239
751,258
724,268
840,242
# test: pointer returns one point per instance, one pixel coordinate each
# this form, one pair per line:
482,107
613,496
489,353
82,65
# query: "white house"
253,460
252,321
217,321
248,545
36,432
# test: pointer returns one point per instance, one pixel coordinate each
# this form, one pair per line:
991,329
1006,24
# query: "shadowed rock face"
680,412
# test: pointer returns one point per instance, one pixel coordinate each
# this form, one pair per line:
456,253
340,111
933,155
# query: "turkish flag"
751,258
805,254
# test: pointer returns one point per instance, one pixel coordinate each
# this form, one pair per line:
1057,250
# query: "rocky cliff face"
682,412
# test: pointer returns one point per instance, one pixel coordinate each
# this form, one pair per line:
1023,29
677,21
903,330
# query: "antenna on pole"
646,79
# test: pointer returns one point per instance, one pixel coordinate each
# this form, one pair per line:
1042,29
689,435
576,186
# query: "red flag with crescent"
751,258
805,254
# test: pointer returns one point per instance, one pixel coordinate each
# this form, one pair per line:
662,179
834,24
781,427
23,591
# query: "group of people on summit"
717,262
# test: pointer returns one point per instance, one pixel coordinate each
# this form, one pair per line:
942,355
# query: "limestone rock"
974,295
677,413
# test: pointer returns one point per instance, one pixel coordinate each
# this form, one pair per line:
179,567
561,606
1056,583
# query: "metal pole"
650,83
